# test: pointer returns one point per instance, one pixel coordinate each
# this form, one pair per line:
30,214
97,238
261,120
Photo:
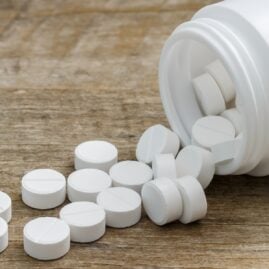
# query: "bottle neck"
248,21
225,46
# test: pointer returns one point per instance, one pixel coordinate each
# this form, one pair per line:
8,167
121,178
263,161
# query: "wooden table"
77,70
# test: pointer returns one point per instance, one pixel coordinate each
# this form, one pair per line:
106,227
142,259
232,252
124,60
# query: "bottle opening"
185,57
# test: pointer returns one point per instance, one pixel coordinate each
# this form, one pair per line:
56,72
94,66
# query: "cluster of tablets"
94,205
181,177
104,192
221,128
177,191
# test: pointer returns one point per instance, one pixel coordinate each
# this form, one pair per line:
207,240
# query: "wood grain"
71,71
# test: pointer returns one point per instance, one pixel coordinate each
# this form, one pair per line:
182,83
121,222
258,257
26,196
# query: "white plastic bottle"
236,32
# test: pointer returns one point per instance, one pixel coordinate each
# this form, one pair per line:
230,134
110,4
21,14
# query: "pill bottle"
236,32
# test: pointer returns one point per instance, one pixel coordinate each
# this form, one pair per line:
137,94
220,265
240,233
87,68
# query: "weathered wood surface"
83,69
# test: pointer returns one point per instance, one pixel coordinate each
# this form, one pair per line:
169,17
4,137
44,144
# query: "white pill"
5,207
164,165
46,238
156,139
162,201
85,184
194,199
212,130
86,221
43,188
3,235
122,206
235,118
95,154
208,94
227,150
130,174
219,73
197,162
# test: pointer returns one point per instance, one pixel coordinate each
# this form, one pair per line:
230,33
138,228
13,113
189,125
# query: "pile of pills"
167,182
220,130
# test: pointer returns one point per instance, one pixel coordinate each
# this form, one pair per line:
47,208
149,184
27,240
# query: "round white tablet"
208,94
130,174
226,151
43,188
197,162
164,165
235,118
5,207
122,206
156,139
194,199
212,130
162,201
85,184
86,221
219,73
3,235
46,238
95,154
